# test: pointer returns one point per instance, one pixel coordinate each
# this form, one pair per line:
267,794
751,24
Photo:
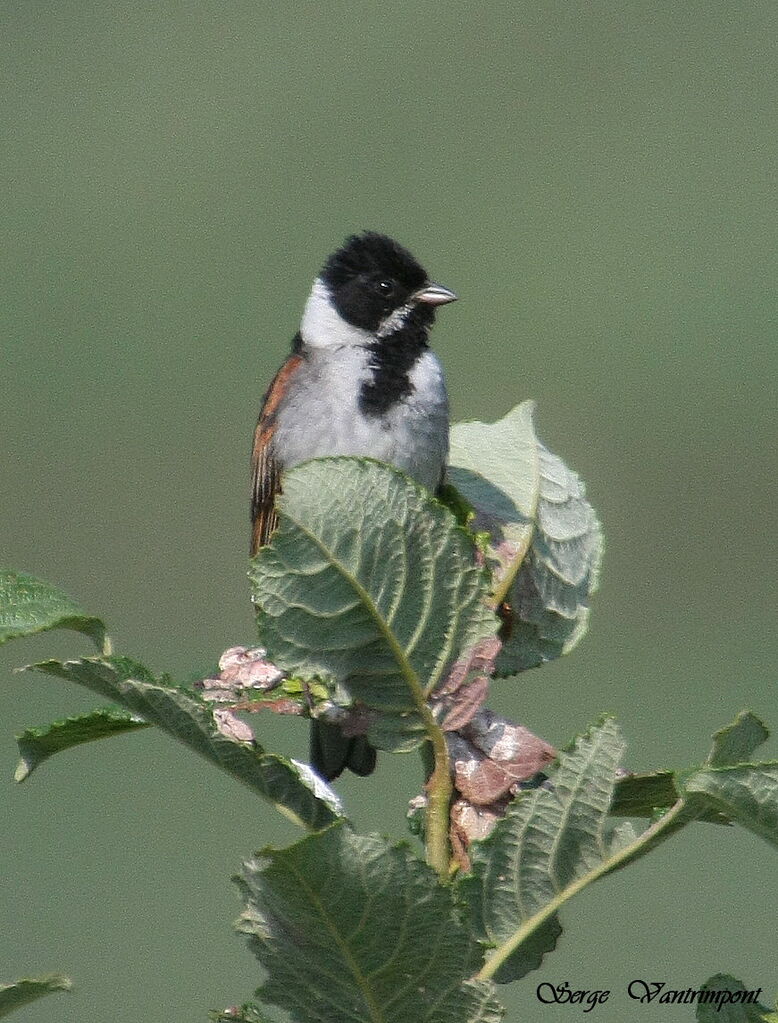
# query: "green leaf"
642,795
552,841
555,840
546,542
731,1002
29,605
368,581
743,792
38,744
747,794
292,789
22,992
351,927
736,743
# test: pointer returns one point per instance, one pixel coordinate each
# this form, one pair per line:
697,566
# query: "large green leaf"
38,744
22,992
545,540
370,582
293,789
350,927
557,839
552,840
29,605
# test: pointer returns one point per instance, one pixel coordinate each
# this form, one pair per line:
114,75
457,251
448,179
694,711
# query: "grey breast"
322,416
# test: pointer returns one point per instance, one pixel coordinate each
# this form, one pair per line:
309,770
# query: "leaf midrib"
404,665
359,977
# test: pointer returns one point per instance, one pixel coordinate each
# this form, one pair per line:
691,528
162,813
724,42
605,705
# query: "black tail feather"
332,751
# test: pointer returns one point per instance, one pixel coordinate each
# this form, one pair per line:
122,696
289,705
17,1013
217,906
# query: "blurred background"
597,183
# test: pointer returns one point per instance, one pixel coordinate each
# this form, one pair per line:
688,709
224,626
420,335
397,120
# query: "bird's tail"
332,751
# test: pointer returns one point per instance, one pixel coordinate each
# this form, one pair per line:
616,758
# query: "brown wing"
265,469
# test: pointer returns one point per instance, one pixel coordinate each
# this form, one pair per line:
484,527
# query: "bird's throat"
391,361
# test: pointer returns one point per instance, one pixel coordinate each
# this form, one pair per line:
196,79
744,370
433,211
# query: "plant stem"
439,791
439,785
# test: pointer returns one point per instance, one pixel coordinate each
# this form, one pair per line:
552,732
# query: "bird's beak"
434,294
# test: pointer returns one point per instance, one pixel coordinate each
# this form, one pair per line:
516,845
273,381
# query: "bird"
360,380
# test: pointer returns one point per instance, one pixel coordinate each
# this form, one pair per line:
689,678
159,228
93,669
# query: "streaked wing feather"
265,467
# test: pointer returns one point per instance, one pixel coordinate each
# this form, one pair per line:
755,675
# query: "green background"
597,182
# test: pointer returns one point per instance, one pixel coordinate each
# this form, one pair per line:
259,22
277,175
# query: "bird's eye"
385,287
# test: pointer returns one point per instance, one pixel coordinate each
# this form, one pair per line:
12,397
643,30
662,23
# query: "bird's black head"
371,276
